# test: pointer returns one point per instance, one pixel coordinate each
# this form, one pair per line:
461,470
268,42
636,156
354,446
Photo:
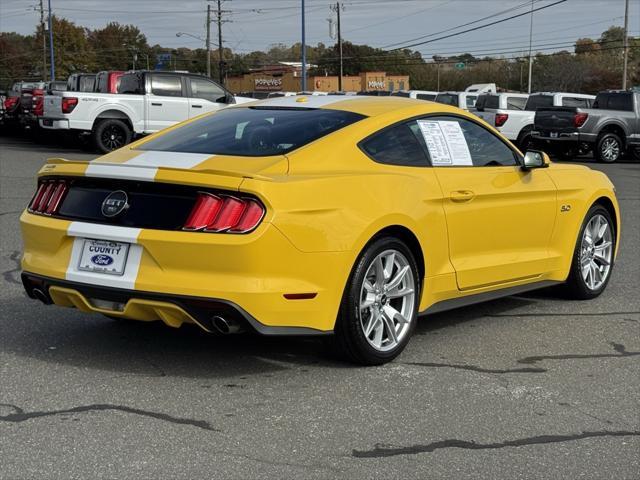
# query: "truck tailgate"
554,121
53,106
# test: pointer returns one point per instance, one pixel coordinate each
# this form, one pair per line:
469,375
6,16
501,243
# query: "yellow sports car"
343,216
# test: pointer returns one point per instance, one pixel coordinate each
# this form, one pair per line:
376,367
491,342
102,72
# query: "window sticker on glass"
446,143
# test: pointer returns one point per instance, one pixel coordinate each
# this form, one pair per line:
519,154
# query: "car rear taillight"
224,213
579,119
500,119
48,197
68,104
10,102
38,102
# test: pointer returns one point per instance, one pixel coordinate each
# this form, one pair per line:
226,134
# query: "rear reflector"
213,213
48,197
500,119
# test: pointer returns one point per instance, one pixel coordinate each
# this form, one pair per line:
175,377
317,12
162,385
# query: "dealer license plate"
103,256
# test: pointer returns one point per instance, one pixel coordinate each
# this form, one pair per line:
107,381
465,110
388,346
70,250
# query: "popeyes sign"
270,84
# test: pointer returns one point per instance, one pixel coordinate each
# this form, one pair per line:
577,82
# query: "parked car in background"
147,101
546,99
498,109
107,81
609,128
11,106
418,94
463,100
81,82
280,94
375,93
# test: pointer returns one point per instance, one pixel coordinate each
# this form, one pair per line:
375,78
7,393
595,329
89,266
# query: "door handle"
153,104
461,196
196,106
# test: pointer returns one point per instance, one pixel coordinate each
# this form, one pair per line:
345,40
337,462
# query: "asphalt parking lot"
529,386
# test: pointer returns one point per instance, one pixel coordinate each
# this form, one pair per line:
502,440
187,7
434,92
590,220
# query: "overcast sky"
256,24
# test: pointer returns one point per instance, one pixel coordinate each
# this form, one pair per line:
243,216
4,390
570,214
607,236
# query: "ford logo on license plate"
102,260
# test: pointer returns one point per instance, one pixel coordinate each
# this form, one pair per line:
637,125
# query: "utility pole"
304,54
53,64
530,47
44,42
220,60
337,9
208,41
626,45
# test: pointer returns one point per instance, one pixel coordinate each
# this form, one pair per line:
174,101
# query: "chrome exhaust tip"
225,326
40,295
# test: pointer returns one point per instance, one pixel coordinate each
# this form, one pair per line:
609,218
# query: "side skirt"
450,304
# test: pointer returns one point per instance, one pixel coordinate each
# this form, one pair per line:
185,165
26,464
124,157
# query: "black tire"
111,134
609,148
575,286
525,140
349,340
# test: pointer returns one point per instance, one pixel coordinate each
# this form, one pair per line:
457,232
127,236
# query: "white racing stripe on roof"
145,166
313,101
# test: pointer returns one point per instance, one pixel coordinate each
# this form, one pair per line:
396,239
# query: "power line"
480,26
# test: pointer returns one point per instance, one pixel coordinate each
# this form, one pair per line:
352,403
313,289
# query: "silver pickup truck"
610,128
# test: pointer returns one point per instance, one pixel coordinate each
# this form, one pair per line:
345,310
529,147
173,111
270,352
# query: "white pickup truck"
501,110
145,103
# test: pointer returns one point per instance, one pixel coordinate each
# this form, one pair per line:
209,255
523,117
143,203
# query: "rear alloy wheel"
111,134
593,255
379,307
609,148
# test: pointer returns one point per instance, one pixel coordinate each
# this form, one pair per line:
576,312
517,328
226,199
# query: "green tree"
115,46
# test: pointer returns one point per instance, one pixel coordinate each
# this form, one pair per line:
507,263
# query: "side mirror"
535,159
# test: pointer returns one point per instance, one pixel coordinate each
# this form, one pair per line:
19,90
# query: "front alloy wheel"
596,252
592,261
380,303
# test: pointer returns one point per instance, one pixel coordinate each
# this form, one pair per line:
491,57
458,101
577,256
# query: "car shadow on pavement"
67,336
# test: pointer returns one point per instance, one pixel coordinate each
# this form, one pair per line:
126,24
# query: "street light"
207,46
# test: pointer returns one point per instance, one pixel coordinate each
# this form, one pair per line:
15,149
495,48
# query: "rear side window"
488,101
471,101
447,99
253,131
614,101
426,96
131,84
397,145
166,85
575,102
538,101
87,83
516,103
202,88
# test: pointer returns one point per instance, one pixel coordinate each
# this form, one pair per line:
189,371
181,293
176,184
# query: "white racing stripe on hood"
145,166
82,230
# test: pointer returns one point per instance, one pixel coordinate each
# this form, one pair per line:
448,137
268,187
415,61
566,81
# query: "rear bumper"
563,137
174,310
252,273
54,123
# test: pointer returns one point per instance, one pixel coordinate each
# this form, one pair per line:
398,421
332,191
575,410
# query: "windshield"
253,131
537,101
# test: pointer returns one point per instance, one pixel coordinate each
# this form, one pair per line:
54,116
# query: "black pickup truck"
610,128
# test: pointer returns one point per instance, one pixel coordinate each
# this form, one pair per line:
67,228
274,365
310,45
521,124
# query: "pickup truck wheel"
111,134
525,141
609,148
